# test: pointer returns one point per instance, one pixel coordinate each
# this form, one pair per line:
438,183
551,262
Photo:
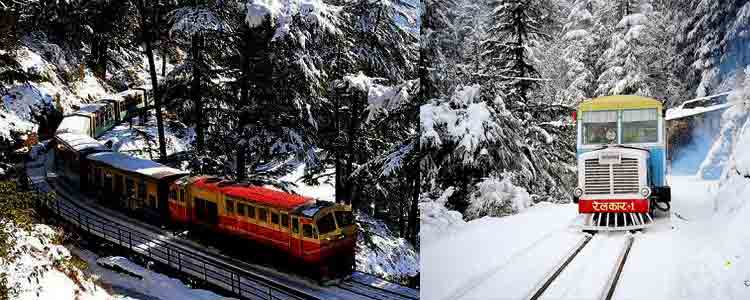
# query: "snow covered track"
231,275
558,269
612,285
569,279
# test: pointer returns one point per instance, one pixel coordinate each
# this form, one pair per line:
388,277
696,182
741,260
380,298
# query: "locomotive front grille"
604,179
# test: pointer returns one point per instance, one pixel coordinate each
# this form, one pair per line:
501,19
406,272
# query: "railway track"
607,291
232,275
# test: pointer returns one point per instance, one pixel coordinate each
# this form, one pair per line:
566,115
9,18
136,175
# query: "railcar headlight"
645,192
578,192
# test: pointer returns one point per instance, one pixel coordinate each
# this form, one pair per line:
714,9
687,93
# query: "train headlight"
578,192
645,192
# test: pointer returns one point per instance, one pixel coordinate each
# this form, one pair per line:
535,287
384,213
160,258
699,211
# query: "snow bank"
139,282
461,262
436,221
497,197
40,271
325,189
143,142
381,253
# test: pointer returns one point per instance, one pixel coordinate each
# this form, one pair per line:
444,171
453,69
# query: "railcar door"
295,238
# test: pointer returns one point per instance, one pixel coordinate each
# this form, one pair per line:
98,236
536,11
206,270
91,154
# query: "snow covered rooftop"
75,124
681,112
133,164
91,108
80,142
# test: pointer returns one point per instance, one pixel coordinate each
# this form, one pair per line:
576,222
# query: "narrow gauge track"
374,291
247,281
611,285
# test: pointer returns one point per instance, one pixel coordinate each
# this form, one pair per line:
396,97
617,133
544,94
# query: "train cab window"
599,127
251,212
230,206
640,126
344,218
263,215
307,230
284,220
241,209
295,225
142,190
326,224
274,218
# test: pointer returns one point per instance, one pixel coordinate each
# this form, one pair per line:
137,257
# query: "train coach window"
230,206
151,200
295,225
182,195
307,230
326,224
284,220
173,194
129,187
344,218
263,215
275,218
251,212
241,209
142,190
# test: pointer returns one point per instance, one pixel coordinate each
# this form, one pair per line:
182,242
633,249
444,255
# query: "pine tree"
515,28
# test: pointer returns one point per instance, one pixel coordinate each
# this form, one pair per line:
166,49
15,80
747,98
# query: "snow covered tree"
515,27
580,37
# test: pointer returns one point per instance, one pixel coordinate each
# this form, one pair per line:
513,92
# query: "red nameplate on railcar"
613,206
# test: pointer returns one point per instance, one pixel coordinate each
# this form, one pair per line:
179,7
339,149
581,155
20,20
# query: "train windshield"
599,127
344,218
639,126
326,224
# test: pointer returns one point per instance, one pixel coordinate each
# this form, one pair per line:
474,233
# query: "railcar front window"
599,127
344,218
326,224
640,126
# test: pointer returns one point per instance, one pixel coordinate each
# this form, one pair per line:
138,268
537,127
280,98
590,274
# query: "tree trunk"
244,96
350,155
413,224
197,43
152,72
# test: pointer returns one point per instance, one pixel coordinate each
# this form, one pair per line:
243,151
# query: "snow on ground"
456,264
142,140
381,253
325,190
150,285
58,281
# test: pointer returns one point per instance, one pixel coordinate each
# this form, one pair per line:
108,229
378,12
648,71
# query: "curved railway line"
232,275
610,287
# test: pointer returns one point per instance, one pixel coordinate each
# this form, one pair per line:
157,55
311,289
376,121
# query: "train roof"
91,107
80,142
254,193
74,124
135,165
619,102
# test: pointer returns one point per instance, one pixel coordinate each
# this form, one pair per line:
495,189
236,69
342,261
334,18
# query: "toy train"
621,162
93,119
318,234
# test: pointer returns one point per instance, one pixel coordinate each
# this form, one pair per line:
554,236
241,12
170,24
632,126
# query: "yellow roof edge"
619,102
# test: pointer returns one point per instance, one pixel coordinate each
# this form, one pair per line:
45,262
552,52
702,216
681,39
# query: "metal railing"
230,278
